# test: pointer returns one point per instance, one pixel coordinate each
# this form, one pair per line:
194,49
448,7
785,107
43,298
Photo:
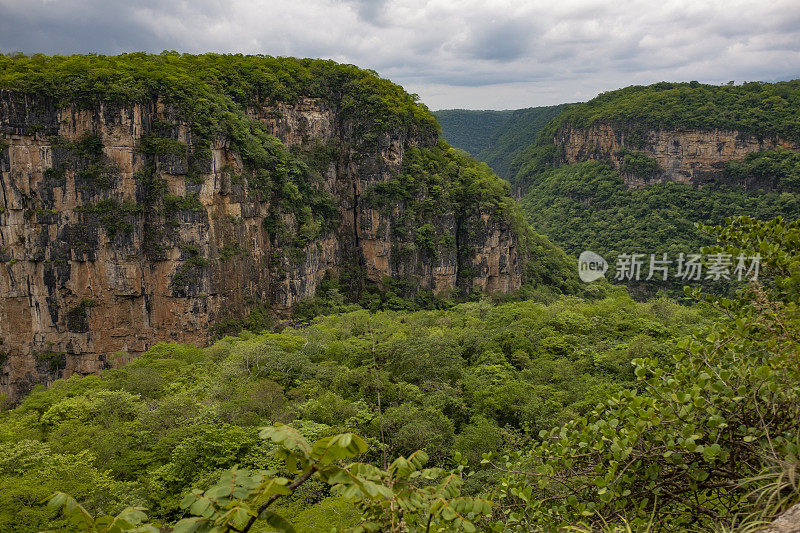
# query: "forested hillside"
586,206
514,135
469,129
633,170
152,197
495,137
635,115
448,415
473,379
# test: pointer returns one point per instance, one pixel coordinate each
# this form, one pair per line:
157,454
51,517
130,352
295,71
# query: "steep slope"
515,135
685,132
147,197
495,137
633,170
586,206
470,130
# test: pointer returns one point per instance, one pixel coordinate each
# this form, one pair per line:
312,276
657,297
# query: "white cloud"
471,53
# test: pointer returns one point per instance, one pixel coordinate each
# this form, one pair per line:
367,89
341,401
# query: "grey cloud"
371,11
466,53
502,41
63,28
71,26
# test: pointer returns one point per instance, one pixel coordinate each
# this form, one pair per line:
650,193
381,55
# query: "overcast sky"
487,54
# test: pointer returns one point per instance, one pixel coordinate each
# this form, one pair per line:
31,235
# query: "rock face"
788,522
107,248
687,156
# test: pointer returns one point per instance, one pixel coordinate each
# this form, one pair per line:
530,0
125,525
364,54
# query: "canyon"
108,247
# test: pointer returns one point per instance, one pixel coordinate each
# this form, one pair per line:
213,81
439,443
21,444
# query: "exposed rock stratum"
107,248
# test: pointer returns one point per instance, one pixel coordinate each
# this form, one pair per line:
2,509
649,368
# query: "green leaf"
277,522
191,525
202,507
287,437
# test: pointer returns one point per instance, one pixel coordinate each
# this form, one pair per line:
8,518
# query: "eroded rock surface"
685,156
96,259
788,522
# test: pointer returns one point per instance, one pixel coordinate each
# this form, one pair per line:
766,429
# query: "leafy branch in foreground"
408,496
129,520
404,496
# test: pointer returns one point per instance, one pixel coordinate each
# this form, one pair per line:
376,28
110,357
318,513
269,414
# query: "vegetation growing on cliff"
112,214
212,93
586,206
77,316
767,110
771,169
638,164
214,89
441,181
764,110
84,156
444,185
215,95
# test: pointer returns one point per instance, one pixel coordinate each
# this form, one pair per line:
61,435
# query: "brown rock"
71,296
788,522
685,156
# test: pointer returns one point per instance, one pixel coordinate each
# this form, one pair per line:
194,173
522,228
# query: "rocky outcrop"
788,522
686,156
107,249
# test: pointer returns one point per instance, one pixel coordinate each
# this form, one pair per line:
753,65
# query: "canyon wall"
107,249
686,156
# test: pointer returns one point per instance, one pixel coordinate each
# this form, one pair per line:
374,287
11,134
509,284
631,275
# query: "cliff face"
108,247
686,156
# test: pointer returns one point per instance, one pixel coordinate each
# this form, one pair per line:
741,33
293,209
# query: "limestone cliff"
692,156
120,228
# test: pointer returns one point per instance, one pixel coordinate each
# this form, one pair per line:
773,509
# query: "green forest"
470,130
558,407
586,206
499,416
178,416
495,137
757,108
